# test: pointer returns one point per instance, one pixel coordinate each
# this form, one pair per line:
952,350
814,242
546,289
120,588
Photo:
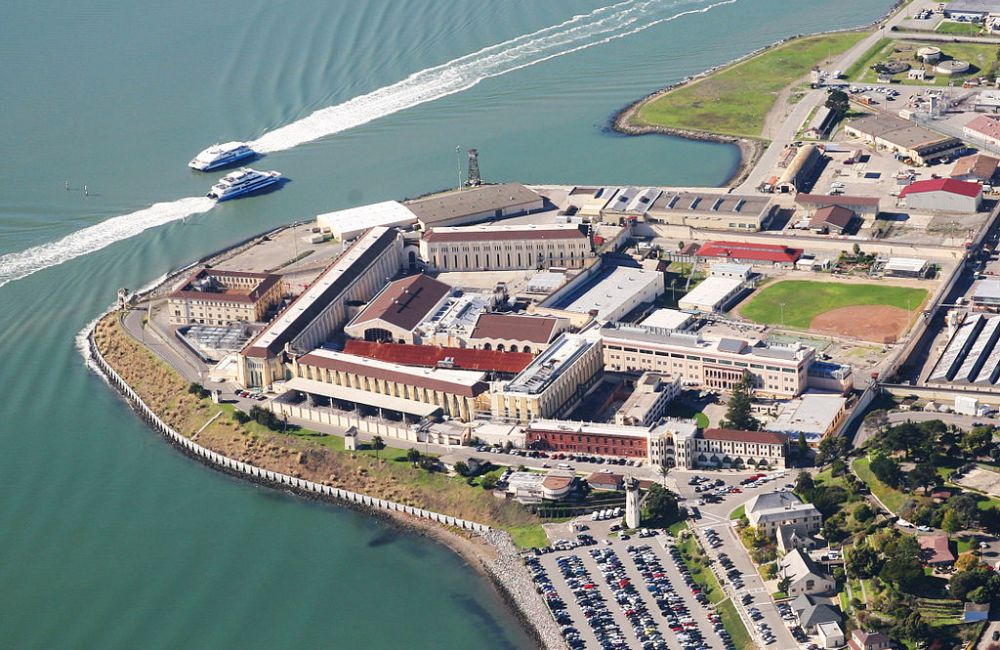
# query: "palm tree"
664,471
378,445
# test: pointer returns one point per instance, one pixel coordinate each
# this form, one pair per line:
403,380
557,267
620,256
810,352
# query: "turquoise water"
111,539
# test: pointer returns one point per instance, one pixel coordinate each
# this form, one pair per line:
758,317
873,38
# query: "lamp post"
458,164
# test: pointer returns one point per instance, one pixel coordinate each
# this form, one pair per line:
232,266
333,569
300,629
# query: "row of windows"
508,247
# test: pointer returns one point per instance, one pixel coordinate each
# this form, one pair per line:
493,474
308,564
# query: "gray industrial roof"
471,202
900,132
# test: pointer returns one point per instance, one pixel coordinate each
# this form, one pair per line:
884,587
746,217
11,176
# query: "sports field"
873,312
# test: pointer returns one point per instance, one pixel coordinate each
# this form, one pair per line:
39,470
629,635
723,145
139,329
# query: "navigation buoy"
86,192
66,183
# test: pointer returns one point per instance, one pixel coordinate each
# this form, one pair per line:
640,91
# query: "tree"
378,445
461,468
838,467
664,472
805,486
803,446
863,513
832,530
902,566
856,249
413,456
885,469
738,415
769,571
661,505
962,582
838,101
862,562
877,419
968,562
784,584
428,463
831,447
924,475
977,441
952,522
488,482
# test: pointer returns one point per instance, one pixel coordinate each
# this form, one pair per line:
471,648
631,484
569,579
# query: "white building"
774,509
348,224
648,402
814,414
666,319
712,294
830,635
731,270
613,295
943,195
806,577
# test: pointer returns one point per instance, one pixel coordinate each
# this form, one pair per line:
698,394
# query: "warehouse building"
610,293
629,202
906,267
866,207
352,222
460,394
832,219
713,294
753,254
902,137
972,355
712,363
396,311
977,168
356,275
712,211
475,204
972,10
985,129
553,383
491,247
219,297
943,195
515,332
802,171
987,294
815,415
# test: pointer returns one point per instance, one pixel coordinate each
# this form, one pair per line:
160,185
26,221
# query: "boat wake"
578,33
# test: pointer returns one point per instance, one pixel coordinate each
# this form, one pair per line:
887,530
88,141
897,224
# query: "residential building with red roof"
394,313
433,356
936,550
747,253
943,195
861,640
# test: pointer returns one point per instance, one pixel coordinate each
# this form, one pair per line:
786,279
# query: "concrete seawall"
507,573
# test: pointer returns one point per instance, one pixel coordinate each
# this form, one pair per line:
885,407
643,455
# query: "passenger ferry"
241,182
221,155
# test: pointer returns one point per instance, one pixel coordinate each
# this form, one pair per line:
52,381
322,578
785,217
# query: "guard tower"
474,180
351,439
633,517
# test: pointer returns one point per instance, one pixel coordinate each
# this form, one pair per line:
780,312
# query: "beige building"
515,332
709,363
356,275
896,135
218,297
459,394
475,204
776,509
731,448
553,383
745,213
648,402
506,247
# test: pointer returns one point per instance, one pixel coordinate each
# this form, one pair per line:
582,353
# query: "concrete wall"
334,418
259,474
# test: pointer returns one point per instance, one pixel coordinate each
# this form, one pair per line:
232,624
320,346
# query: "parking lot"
627,594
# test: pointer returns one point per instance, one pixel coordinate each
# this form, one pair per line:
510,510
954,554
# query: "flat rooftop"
590,428
472,202
386,213
668,319
620,332
607,291
705,203
357,396
813,414
551,364
902,133
504,232
711,291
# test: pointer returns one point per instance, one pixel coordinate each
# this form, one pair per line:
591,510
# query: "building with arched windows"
491,247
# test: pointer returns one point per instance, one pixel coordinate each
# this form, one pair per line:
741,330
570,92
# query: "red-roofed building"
935,550
515,332
730,447
756,254
432,356
984,128
943,195
861,640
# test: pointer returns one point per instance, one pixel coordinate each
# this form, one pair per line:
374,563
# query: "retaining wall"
259,474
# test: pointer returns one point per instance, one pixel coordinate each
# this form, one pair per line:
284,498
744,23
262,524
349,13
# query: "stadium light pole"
782,306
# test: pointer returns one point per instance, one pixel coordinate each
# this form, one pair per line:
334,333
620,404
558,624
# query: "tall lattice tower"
474,180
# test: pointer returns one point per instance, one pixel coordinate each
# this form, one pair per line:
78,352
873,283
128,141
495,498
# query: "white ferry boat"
221,155
241,182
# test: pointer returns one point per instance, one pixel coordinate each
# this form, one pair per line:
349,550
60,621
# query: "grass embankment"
800,301
962,29
695,561
981,56
739,513
302,453
891,497
734,625
735,100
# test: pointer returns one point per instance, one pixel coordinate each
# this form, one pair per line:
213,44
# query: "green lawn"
738,513
982,56
681,409
675,528
800,301
964,29
735,100
891,497
734,625
529,536
694,560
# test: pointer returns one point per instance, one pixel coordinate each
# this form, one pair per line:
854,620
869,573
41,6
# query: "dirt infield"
876,323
